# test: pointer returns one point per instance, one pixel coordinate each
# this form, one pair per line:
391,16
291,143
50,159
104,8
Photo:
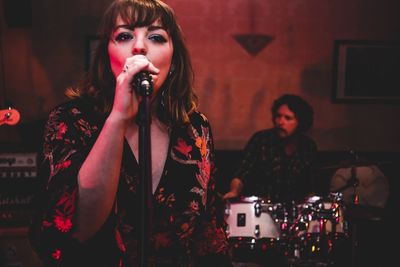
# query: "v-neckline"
130,157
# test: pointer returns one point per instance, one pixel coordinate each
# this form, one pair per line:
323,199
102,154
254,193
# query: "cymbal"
349,164
357,163
368,183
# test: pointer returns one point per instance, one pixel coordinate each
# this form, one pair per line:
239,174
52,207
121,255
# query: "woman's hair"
302,110
176,99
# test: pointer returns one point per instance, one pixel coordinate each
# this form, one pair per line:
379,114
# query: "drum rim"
250,199
331,197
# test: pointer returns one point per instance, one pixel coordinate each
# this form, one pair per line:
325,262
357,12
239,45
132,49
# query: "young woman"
90,212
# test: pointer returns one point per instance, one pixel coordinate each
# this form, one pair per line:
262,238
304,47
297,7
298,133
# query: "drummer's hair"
301,108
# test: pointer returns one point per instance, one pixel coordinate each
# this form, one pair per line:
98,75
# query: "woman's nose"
139,47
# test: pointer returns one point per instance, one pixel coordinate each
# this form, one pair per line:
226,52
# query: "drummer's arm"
250,155
235,190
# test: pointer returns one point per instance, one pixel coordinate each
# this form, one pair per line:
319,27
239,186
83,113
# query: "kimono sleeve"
210,240
66,141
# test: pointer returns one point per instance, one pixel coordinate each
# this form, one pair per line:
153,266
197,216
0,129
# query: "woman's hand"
126,101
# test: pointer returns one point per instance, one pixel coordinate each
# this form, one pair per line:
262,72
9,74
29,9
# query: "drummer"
279,163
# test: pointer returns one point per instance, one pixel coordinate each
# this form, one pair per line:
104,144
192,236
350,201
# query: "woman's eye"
123,36
157,38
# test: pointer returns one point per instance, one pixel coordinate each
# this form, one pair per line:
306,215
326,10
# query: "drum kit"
309,233
303,232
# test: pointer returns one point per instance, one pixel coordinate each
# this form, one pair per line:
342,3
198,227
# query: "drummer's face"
285,121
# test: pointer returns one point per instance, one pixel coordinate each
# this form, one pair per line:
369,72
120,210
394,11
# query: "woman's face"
151,41
285,121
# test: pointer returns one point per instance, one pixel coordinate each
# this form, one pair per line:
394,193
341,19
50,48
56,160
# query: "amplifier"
18,185
18,165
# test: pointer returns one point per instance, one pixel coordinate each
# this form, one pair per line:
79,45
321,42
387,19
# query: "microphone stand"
144,88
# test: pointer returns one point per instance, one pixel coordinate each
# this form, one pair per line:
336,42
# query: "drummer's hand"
235,189
230,194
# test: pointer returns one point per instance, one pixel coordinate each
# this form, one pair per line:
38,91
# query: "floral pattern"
185,225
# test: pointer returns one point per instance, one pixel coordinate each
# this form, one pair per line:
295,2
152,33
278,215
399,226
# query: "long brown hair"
176,99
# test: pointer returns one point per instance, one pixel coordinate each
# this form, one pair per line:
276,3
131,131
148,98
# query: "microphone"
143,83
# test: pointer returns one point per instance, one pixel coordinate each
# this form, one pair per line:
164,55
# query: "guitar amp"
18,185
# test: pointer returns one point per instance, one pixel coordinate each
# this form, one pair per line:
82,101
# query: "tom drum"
252,217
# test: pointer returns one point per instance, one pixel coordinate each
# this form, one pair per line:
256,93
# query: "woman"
90,216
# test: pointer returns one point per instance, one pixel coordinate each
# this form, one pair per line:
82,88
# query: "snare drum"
252,217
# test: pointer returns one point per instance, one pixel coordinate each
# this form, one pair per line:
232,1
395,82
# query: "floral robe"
186,222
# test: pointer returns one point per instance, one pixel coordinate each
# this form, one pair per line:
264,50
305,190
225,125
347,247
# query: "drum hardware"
257,209
365,190
316,231
307,233
262,206
360,182
257,231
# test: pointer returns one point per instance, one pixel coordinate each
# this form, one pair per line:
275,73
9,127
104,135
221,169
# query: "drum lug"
257,209
257,230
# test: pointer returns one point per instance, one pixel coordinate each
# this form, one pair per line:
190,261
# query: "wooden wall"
236,88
